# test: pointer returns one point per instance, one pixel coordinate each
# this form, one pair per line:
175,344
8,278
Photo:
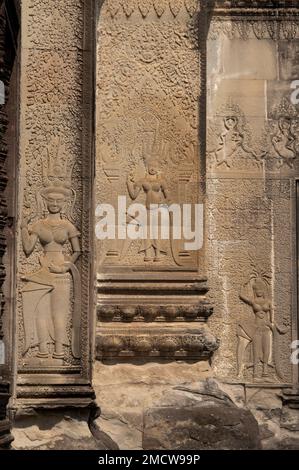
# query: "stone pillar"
149,119
252,165
9,26
54,311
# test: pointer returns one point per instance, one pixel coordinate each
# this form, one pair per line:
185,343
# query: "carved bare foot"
146,259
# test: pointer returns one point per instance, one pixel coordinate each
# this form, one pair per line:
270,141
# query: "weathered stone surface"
210,426
55,430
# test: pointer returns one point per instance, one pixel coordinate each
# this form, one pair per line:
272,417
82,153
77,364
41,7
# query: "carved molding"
156,343
259,28
144,8
253,19
157,313
252,7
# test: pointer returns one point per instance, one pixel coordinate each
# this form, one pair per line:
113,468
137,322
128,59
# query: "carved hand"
59,269
24,223
131,178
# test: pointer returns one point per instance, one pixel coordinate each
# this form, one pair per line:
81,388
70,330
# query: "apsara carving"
47,292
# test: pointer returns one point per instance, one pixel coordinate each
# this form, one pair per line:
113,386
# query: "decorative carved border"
262,20
152,342
156,313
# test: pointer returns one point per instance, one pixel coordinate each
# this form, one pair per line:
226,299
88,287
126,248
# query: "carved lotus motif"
190,312
193,343
159,6
128,313
113,7
170,312
112,344
106,313
144,7
142,345
149,312
167,345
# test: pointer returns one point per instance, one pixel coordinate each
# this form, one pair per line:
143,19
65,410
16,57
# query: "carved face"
153,167
55,203
231,122
259,289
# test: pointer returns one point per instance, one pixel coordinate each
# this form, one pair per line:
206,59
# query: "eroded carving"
284,134
234,141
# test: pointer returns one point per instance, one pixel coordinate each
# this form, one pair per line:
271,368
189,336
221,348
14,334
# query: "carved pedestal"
153,317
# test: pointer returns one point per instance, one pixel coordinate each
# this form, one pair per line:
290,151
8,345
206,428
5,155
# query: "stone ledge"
154,341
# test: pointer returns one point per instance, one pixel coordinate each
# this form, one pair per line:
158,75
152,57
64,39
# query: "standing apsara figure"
47,292
261,332
155,191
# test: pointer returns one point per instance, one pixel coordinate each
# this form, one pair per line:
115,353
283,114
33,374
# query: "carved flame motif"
113,7
191,6
144,7
175,6
129,7
159,6
56,167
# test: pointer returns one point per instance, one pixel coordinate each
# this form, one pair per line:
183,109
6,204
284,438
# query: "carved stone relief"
232,146
260,332
284,135
147,111
230,141
145,7
47,292
150,293
56,235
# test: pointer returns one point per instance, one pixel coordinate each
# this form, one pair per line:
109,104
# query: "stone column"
252,165
9,26
54,312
